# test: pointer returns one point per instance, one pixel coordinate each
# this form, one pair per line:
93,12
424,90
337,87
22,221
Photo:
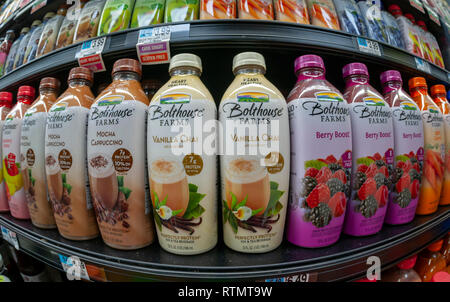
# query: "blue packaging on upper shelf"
350,17
371,15
393,32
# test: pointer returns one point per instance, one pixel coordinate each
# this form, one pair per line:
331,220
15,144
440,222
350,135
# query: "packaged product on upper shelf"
217,9
147,12
181,10
89,20
49,34
371,15
32,46
5,46
9,64
291,11
67,29
21,51
393,32
256,9
323,13
116,16
350,17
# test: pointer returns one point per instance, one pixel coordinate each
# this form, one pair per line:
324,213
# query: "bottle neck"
126,76
79,82
254,69
357,79
419,91
47,90
185,70
310,73
391,86
25,99
440,96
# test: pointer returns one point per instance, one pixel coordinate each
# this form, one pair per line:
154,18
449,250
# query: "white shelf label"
369,46
153,46
74,267
417,4
422,65
90,54
10,237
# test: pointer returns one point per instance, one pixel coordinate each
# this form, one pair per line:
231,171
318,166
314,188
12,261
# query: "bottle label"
409,153
12,168
445,198
116,163
321,157
255,169
67,178
3,199
33,169
373,160
182,173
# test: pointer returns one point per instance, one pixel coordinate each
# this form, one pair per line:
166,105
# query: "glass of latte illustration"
103,179
168,180
245,177
54,178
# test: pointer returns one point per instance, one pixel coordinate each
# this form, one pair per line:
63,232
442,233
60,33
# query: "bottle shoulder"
191,86
129,90
76,97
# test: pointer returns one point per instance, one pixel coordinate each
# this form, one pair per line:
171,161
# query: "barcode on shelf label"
90,54
153,46
417,4
10,237
75,268
307,277
369,46
422,65
38,4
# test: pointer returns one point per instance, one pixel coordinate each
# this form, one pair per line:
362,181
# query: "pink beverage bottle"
321,143
12,160
408,150
403,272
5,107
373,154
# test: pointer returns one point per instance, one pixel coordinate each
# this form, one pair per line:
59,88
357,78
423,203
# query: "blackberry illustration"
320,216
413,160
335,186
309,183
380,163
368,207
334,167
414,175
398,173
380,179
404,198
347,189
360,178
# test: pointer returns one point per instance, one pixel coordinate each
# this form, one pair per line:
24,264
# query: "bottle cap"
48,16
127,65
390,75
441,277
308,61
151,84
436,246
422,25
248,58
354,68
36,23
437,89
24,30
81,73
49,82
6,99
10,33
395,10
26,91
408,263
411,18
185,60
417,82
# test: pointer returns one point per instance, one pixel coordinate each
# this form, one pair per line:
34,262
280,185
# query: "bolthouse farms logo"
57,117
176,98
330,106
407,112
108,112
252,108
374,109
434,116
174,110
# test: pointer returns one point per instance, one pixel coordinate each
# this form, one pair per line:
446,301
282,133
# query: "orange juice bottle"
445,251
430,261
433,128
438,94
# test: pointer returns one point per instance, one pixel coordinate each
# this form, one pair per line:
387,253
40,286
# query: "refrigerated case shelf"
345,260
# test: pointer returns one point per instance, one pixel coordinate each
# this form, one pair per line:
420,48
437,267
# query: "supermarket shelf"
345,260
230,34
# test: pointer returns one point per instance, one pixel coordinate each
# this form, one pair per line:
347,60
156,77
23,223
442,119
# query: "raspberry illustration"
337,204
311,172
384,170
377,156
331,159
340,174
382,195
323,175
362,168
403,183
414,188
321,193
367,189
372,170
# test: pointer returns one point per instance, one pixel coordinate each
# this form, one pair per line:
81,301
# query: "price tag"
153,46
432,14
422,65
308,277
10,237
417,4
90,54
74,267
369,46
38,4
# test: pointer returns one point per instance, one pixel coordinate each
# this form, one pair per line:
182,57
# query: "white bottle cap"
185,60
49,15
248,58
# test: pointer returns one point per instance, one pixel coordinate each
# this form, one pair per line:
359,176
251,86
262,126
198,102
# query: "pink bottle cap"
408,263
308,61
390,75
354,68
441,277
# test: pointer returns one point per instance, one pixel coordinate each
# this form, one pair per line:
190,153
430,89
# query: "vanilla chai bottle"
33,157
116,149
65,155
11,160
5,107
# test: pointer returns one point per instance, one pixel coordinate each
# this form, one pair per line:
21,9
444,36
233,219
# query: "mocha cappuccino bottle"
65,158
5,107
33,157
256,158
183,176
116,148
373,154
321,157
12,159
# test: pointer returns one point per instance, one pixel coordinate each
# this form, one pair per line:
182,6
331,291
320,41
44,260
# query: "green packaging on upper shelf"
181,10
116,16
148,12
